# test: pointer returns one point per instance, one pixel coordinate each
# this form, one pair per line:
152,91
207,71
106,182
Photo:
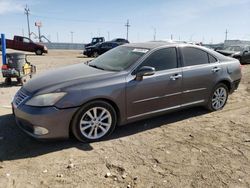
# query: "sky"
190,20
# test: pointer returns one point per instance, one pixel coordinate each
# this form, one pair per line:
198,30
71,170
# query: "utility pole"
154,34
226,34
108,35
72,35
57,37
127,25
38,24
26,11
171,36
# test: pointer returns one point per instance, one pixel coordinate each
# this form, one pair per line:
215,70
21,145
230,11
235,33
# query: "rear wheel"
94,121
218,97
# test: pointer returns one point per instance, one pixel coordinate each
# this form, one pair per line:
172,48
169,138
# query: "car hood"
227,52
58,79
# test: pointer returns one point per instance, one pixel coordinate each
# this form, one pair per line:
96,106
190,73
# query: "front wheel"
94,121
218,98
95,54
39,52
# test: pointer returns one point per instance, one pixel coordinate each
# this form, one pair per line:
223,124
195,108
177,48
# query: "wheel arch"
227,83
109,101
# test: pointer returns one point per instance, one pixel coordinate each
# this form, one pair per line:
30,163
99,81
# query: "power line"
127,25
26,11
75,20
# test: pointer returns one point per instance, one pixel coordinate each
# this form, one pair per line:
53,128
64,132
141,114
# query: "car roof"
151,45
158,44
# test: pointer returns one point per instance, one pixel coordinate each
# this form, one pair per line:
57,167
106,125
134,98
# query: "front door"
159,92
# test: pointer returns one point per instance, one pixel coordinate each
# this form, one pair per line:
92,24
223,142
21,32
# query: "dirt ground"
190,148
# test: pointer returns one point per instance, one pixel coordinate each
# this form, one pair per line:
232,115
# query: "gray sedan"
127,84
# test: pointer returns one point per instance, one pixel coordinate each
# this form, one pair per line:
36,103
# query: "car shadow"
14,144
13,83
157,121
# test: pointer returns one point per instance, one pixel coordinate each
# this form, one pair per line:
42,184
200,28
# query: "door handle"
216,69
175,77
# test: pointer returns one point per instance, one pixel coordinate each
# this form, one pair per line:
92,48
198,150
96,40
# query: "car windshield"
234,48
118,59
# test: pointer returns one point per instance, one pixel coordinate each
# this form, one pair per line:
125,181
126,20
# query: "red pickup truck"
25,44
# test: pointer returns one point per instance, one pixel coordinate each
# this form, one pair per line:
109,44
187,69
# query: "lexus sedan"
126,84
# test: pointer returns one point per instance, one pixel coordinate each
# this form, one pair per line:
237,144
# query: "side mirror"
144,71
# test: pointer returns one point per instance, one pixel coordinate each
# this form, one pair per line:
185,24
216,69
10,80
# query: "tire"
39,52
7,81
218,102
90,129
21,81
95,54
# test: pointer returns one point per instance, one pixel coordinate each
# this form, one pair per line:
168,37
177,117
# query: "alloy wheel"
95,123
219,98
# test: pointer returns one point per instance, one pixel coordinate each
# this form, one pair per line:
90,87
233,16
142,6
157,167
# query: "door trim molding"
159,97
168,95
167,109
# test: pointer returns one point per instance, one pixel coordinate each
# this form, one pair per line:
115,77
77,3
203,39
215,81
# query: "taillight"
5,67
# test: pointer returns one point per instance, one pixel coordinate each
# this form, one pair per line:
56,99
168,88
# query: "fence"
64,46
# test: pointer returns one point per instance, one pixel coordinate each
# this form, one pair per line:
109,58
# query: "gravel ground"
190,148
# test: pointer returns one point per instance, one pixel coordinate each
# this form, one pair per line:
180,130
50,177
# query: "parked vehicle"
100,48
25,44
120,41
95,41
242,53
126,84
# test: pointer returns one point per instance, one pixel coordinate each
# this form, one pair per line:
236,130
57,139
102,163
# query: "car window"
194,56
212,59
119,58
162,59
26,40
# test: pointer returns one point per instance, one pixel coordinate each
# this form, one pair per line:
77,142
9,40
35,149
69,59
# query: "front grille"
20,97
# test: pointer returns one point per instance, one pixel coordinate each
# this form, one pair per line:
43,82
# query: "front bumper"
44,122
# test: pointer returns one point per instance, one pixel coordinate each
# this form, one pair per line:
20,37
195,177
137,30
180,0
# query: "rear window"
194,56
212,59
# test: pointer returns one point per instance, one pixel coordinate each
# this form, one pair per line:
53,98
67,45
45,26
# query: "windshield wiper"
96,67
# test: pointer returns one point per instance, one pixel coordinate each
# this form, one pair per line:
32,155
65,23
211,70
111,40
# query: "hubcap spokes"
219,98
95,123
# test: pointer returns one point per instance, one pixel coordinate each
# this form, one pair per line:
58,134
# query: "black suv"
100,48
120,41
95,41
242,53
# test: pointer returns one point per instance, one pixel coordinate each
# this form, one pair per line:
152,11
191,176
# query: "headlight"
46,99
45,48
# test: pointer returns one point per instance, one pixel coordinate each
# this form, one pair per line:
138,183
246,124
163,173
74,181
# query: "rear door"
201,71
159,92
